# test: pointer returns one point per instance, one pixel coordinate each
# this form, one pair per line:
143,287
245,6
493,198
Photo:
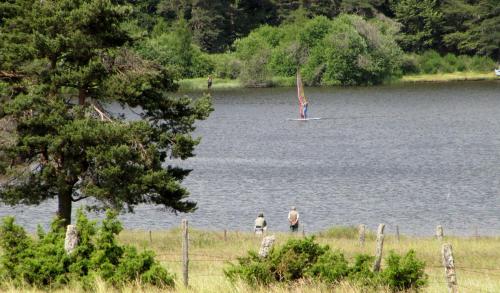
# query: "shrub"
403,272
331,267
304,259
295,258
251,269
431,62
175,50
289,263
347,50
44,263
254,53
226,65
410,64
361,271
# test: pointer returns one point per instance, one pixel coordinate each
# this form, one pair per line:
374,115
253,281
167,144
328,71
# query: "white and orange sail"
300,95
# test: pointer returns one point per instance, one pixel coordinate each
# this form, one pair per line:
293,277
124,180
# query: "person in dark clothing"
209,81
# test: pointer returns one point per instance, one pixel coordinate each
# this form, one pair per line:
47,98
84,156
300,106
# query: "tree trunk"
64,205
82,95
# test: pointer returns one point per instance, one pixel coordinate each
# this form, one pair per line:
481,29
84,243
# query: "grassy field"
477,260
200,84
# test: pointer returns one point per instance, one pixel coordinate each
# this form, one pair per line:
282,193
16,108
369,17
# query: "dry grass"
477,261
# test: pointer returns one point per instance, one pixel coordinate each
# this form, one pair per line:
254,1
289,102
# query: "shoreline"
200,84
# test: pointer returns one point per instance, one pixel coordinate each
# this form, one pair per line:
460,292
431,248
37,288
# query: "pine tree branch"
78,199
101,113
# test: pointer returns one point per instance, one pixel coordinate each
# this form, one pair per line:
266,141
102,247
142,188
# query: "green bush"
331,267
254,54
44,263
403,272
347,50
361,271
294,259
410,64
288,263
251,269
304,259
226,65
431,62
174,49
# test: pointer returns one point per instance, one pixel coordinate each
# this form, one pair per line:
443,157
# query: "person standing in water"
293,219
209,81
260,224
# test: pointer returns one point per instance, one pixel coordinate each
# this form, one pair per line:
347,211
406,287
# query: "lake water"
409,155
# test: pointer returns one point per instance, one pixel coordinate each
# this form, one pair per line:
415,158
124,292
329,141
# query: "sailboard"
303,101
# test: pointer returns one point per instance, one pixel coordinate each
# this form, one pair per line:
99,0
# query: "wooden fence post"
380,246
439,232
185,252
449,268
150,238
225,235
71,240
361,233
397,233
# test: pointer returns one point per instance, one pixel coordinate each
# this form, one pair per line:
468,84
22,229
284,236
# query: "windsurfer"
304,108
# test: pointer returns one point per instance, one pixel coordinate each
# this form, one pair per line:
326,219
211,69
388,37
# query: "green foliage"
254,53
210,22
404,272
347,50
331,267
303,258
226,65
294,259
251,269
431,62
175,50
45,264
361,271
472,27
421,22
74,59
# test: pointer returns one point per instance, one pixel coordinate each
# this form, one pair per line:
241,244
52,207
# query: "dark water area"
413,155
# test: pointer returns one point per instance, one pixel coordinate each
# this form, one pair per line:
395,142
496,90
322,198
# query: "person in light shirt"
293,219
260,224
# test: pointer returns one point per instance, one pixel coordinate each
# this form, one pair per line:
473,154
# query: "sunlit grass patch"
455,76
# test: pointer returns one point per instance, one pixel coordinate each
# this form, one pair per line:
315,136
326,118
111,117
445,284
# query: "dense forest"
332,41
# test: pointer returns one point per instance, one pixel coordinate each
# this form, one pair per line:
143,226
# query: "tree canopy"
63,62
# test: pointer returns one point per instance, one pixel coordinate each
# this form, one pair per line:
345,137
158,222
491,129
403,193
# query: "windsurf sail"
300,94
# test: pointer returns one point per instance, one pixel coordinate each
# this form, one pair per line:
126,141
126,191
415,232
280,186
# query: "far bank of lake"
199,84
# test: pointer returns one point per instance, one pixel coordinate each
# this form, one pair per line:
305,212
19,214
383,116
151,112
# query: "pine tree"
66,144
421,24
210,23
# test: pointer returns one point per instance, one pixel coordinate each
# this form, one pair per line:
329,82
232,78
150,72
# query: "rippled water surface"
408,155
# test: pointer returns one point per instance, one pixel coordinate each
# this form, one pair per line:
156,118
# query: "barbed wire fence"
447,262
